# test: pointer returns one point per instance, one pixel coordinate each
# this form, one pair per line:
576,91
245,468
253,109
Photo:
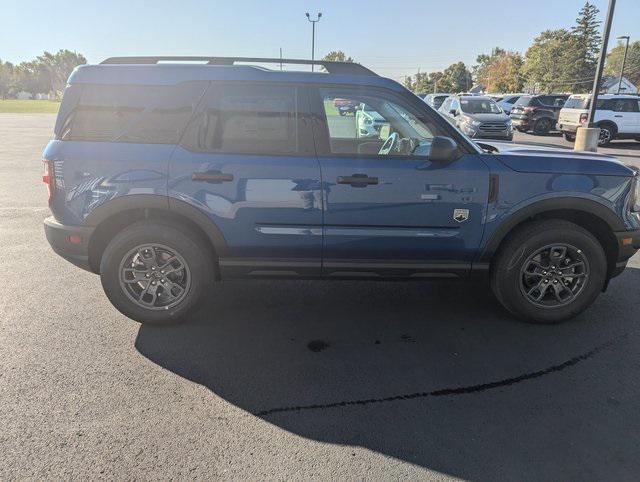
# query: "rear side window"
624,105
247,118
128,113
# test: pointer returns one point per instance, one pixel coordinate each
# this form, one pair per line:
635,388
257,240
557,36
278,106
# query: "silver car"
478,117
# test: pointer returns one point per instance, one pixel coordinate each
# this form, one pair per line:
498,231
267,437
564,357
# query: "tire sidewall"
182,242
508,276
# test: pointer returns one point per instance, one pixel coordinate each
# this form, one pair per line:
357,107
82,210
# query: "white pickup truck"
617,115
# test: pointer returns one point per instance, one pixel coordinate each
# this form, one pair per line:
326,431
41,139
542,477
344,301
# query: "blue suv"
164,177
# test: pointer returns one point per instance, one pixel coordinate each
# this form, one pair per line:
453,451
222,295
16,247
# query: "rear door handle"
213,177
618,116
357,180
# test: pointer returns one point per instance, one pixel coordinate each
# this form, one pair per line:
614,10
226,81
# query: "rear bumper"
520,121
569,128
628,245
70,242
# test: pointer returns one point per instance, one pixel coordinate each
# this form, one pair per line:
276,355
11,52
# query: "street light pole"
601,59
624,59
313,35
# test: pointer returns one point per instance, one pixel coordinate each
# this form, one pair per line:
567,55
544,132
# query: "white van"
617,115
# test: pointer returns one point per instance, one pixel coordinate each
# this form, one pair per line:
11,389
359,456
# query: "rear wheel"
542,126
569,137
549,271
607,134
156,273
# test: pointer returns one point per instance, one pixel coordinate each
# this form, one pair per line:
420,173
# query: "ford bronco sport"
164,177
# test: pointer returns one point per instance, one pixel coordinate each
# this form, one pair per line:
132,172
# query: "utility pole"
587,137
601,59
313,35
624,59
280,58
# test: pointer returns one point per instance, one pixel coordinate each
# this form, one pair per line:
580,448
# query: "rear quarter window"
128,113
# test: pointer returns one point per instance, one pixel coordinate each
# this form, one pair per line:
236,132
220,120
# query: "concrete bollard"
587,139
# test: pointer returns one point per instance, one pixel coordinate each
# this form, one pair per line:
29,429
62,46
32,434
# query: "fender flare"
584,205
177,207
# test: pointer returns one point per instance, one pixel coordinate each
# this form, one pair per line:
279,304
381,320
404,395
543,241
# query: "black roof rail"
331,66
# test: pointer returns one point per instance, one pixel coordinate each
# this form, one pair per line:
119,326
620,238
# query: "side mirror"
453,112
443,149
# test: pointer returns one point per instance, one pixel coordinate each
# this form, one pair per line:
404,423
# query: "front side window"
246,118
379,125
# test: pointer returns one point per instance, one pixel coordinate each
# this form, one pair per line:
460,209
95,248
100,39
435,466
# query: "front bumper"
70,242
628,245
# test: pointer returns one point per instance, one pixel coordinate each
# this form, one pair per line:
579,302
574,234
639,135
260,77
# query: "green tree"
59,66
337,56
586,44
7,78
632,65
456,78
549,62
499,71
31,77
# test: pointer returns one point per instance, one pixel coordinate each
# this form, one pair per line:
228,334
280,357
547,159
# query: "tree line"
46,74
561,60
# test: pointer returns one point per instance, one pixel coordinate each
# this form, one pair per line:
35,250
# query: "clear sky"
392,38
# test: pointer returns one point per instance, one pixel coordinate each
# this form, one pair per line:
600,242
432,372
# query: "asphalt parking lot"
299,380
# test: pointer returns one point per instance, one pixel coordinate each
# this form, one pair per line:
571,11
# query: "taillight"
583,118
48,177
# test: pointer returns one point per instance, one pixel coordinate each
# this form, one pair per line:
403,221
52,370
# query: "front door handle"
618,115
213,177
357,180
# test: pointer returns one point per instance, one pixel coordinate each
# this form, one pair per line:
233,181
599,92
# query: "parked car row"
617,115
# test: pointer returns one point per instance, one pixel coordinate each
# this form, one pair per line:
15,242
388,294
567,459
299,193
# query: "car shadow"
434,374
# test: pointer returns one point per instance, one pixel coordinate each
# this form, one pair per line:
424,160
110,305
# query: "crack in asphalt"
448,391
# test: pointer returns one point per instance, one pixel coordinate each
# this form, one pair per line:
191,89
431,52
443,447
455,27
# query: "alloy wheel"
154,276
554,275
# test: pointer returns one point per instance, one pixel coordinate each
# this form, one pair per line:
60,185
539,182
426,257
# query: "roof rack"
331,66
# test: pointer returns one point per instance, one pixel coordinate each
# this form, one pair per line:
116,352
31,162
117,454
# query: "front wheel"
549,271
156,273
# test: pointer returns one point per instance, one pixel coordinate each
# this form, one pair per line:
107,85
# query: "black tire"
569,137
521,129
542,126
508,275
608,133
194,253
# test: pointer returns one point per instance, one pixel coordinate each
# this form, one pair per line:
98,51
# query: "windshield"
479,106
524,100
576,103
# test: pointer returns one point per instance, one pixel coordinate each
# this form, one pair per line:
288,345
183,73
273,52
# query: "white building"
610,86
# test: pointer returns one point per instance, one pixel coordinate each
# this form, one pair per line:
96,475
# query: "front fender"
521,212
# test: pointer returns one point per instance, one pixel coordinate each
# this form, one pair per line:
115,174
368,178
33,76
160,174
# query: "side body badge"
460,215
